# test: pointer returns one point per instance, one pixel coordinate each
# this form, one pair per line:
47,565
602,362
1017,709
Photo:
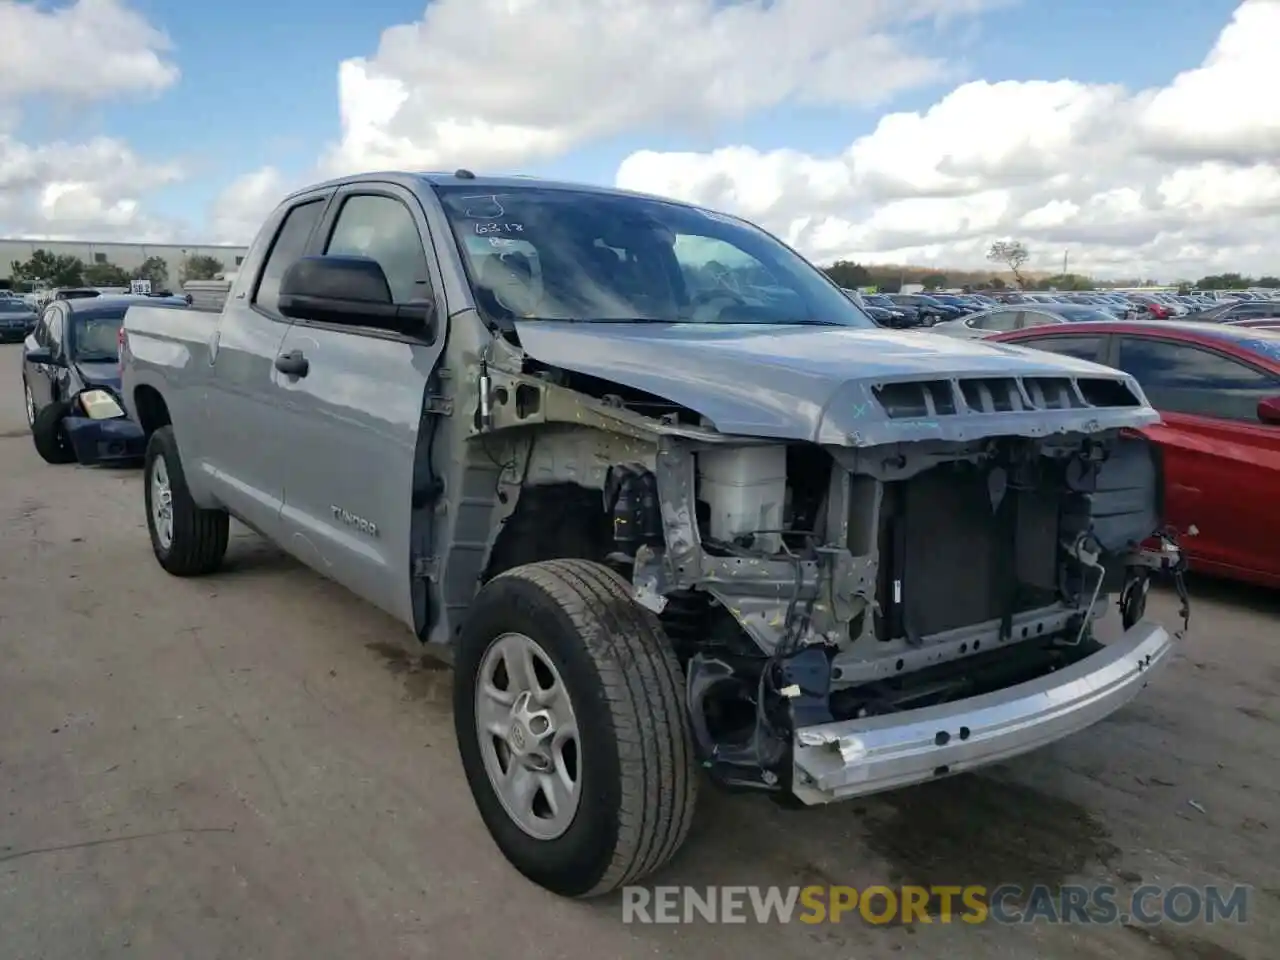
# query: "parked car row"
17,318
901,310
1142,305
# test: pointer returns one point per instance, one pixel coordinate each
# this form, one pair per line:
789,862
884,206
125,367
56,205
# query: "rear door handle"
293,363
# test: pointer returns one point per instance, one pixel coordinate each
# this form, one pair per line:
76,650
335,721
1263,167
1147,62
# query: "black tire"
199,540
639,782
50,436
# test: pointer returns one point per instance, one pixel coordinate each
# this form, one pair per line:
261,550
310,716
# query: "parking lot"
249,766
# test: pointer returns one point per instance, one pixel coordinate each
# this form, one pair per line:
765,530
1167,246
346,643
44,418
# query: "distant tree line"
1014,256
64,270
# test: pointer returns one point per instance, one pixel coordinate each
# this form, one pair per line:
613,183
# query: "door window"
1182,378
54,331
41,332
1243,311
1083,348
289,246
997,320
1034,318
383,229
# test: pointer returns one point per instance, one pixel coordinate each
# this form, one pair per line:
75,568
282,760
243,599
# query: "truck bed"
207,295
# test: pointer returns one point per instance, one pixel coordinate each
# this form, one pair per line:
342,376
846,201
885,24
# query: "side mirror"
1269,410
43,356
352,291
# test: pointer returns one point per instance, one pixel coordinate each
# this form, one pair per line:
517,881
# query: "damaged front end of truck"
908,592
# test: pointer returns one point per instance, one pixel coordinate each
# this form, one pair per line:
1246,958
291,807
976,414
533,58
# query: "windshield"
97,336
8,305
550,254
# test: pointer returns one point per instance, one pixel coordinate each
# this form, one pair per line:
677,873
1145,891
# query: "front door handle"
293,363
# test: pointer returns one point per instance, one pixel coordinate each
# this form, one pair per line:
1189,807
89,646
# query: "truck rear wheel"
571,722
188,541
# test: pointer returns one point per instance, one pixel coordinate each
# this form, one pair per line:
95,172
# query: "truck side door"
243,446
354,417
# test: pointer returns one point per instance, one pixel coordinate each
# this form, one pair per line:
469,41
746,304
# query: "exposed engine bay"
804,583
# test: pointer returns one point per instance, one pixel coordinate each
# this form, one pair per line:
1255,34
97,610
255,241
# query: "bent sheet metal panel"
807,383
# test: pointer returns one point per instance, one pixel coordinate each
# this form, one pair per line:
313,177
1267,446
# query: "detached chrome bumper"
851,758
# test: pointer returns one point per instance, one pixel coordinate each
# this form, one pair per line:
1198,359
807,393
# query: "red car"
1218,389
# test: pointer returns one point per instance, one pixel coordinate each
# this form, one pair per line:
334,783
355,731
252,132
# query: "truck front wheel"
571,722
188,541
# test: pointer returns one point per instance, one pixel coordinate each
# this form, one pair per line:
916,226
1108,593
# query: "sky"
1138,138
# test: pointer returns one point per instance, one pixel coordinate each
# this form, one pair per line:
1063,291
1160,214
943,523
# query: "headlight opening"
100,405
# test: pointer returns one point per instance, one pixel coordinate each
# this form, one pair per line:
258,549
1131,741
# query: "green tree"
1013,254
106,274
934,281
200,267
154,269
1270,283
58,270
848,274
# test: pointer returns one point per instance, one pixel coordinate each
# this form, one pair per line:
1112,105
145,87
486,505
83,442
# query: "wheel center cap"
517,737
529,728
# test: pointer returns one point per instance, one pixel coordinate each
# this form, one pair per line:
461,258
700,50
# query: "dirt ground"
247,766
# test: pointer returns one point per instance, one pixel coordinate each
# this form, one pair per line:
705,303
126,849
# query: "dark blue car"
71,382
17,319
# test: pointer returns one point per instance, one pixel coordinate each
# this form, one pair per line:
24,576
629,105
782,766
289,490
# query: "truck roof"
412,179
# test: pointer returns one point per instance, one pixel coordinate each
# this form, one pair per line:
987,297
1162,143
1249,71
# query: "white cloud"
90,50
238,211
1169,182
494,83
67,190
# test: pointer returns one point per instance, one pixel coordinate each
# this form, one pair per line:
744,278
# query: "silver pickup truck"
676,505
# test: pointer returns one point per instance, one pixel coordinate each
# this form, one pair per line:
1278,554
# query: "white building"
128,256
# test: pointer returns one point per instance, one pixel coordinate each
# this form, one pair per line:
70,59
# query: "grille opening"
920,398
1051,393
992,395
1099,392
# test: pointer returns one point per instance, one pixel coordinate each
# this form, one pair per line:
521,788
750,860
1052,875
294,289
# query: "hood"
98,373
823,384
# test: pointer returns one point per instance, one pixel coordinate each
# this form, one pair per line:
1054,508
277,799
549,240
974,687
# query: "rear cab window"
289,245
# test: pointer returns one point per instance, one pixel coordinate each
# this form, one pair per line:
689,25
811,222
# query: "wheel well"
560,521
153,412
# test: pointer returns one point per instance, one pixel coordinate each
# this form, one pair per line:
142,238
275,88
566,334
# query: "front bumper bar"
105,441
851,758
